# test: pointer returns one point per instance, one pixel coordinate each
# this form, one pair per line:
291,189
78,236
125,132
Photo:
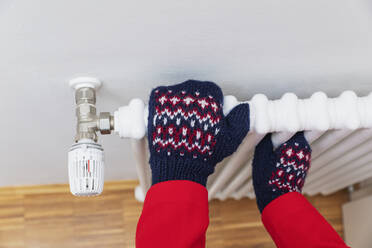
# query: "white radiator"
338,129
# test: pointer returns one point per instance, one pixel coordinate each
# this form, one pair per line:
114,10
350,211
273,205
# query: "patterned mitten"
188,133
277,172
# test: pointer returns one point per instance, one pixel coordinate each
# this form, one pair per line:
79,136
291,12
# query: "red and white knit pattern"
291,169
185,122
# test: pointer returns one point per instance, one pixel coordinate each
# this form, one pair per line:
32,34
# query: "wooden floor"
49,217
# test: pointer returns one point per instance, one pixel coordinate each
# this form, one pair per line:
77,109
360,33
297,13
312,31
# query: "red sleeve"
175,214
293,222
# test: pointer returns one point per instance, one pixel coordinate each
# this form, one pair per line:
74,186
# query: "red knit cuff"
287,202
293,222
175,214
177,191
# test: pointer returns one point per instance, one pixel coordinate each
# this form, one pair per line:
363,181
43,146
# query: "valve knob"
86,168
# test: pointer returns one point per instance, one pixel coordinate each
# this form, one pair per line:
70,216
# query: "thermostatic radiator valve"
86,158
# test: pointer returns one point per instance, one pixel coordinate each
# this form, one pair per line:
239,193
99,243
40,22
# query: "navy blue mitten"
277,172
188,133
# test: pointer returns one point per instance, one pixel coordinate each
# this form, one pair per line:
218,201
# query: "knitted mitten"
277,172
188,133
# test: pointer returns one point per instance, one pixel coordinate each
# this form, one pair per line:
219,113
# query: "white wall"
358,222
248,47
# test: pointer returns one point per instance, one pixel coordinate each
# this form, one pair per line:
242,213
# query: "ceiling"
247,47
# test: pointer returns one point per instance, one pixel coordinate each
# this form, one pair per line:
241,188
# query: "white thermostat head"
86,168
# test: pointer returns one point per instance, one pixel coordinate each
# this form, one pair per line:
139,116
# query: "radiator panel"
340,137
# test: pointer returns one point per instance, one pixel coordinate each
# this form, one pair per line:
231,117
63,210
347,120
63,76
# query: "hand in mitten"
188,133
277,172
